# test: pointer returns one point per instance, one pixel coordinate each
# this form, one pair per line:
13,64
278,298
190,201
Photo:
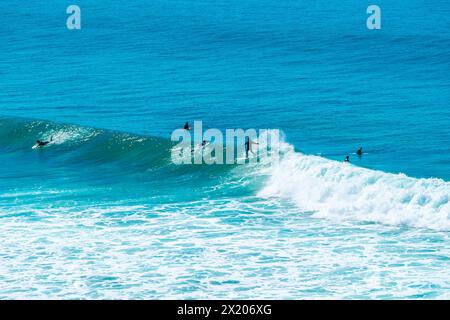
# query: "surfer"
248,146
359,152
203,145
347,159
186,126
40,143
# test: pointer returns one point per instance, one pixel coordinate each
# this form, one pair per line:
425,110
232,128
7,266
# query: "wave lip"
341,191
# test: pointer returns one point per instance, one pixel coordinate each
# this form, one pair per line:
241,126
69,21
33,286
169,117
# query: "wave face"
104,165
82,143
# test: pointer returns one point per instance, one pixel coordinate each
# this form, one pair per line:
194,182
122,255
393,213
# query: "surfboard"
39,147
250,156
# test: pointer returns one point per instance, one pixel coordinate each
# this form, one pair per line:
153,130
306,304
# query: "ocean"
103,213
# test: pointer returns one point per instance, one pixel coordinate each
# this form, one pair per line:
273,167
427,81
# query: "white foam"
341,191
71,133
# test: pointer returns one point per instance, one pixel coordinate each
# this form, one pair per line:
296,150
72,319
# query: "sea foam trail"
341,191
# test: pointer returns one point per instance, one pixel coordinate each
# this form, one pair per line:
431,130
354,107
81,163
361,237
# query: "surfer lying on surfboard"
40,143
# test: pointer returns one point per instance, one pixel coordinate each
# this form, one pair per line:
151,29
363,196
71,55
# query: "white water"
341,191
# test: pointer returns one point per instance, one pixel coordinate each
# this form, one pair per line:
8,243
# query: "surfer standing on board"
248,146
186,126
359,152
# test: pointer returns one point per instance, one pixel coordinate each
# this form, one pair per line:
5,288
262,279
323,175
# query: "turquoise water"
103,213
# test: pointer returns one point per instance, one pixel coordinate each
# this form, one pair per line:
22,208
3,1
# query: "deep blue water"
102,213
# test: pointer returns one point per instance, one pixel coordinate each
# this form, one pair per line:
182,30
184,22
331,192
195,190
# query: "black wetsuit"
247,147
42,143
